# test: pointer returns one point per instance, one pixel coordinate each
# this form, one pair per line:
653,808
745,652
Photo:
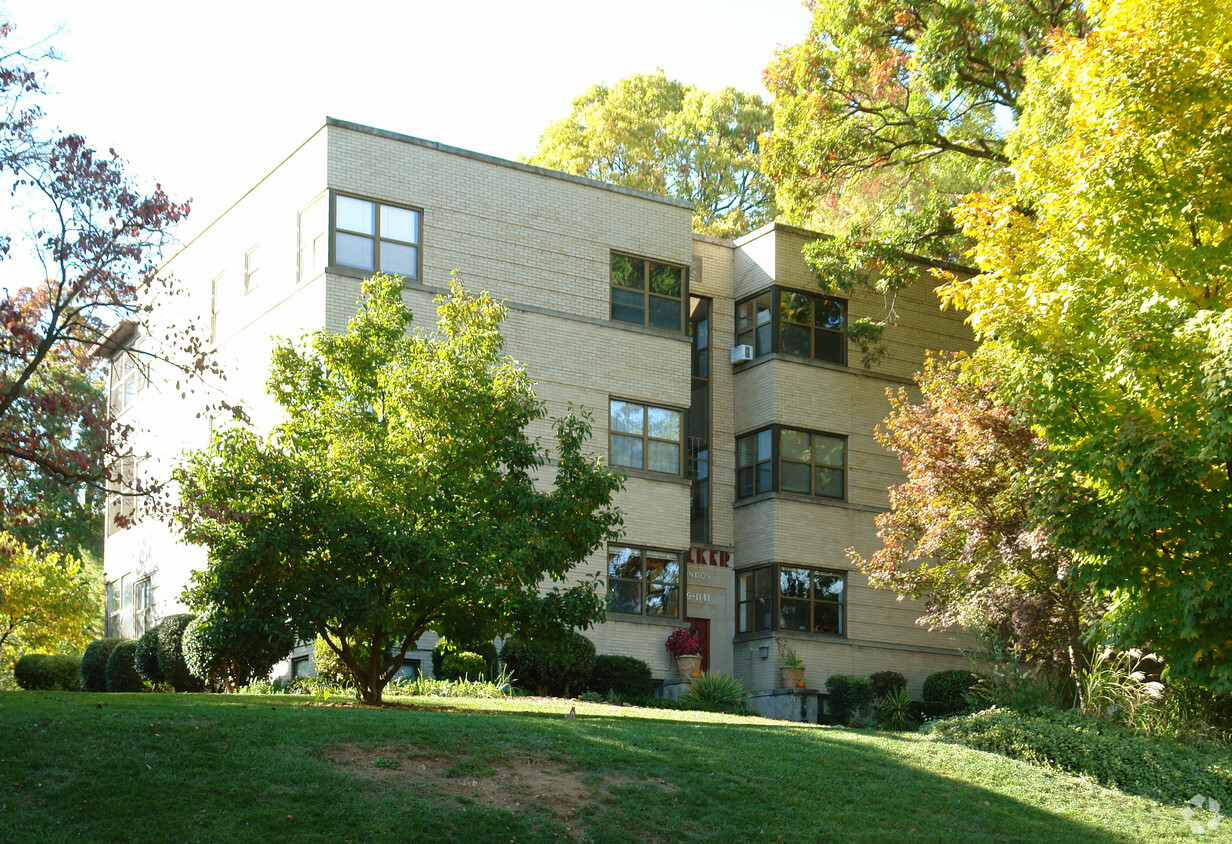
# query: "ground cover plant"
81,767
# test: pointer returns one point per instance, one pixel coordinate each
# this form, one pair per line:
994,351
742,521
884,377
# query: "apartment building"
718,374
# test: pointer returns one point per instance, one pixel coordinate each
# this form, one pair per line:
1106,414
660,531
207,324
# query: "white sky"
208,97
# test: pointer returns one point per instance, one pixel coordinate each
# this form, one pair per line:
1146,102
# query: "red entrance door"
702,626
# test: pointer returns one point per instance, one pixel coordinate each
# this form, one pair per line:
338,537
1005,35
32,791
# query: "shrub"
950,691
550,667
122,673
312,685
171,654
895,710
233,652
486,651
848,695
51,672
329,664
885,682
146,657
624,676
722,690
464,665
1188,705
94,664
1158,768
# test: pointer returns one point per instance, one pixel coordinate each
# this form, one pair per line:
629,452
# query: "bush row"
50,672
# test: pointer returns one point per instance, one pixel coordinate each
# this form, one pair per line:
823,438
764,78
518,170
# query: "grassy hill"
188,768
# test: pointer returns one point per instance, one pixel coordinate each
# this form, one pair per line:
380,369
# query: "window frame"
646,438
648,294
252,268
769,467
766,337
121,491
127,369
375,235
749,614
646,553
310,259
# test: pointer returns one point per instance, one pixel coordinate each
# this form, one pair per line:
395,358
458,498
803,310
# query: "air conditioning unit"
742,353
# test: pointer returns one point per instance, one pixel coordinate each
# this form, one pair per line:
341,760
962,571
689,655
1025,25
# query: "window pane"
829,346
356,215
663,457
795,445
666,281
354,251
827,482
399,224
794,583
746,450
126,585
627,451
703,364
829,450
828,618
623,596
794,339
794,615
664,602
628,306
663,424
744,315
763,477
827,586
764,443
794,477
399,259
664,313
744,483
829,314
625,563
761,340
702,335
627,417
795,307
628,272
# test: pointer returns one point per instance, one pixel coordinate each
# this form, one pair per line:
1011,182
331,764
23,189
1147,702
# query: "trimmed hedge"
550,668
94,664
848,695
885,682
949,692
50,672
146,657
485,650
171,654
122,674
624,676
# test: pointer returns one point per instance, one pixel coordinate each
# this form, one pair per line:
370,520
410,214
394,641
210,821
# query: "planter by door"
791,676
689,666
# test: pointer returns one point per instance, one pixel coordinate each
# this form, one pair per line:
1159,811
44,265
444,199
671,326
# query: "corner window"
121,494
373,236
128,377
793,323
646,437
648,293
644,582
783,597
779,459
312,243
252,267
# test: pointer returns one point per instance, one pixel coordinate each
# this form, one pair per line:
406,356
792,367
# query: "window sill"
646,329
806,499
836,638
656,621
646,474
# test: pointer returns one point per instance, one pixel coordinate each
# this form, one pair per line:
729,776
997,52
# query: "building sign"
699,597
710,557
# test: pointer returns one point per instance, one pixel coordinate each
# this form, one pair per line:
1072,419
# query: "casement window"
313,245
128,377
252,268
648,293
645,582
376,237
790,598
121,492
646,437
793,323
778,459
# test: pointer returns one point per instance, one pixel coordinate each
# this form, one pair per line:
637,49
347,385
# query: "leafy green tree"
399,495
886,115
1105,305
960,536
656,134
47,602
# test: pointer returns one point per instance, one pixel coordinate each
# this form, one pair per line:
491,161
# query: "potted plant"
791,667
685,644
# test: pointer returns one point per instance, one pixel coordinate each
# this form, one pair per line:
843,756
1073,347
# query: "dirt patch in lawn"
512,783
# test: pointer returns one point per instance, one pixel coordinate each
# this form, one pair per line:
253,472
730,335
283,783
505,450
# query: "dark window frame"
649,297
376,236
645,553
761,609
646,438
760,323
764,473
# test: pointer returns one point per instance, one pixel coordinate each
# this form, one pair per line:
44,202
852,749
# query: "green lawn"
186,768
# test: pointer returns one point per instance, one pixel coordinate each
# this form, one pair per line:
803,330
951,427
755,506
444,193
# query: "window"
121,493
313,244
793,323
785,597
129,376
645,437
647,293
699,422
143,595
373,236
779,459
644,582
252,267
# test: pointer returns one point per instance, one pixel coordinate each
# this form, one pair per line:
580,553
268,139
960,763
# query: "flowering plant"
684,641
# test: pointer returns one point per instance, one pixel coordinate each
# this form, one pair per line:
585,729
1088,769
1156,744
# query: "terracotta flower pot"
689,665
792,677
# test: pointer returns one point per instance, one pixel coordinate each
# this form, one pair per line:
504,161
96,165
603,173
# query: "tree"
656,134
1105,305
92,240
885,116
399,495
47,603
959,534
